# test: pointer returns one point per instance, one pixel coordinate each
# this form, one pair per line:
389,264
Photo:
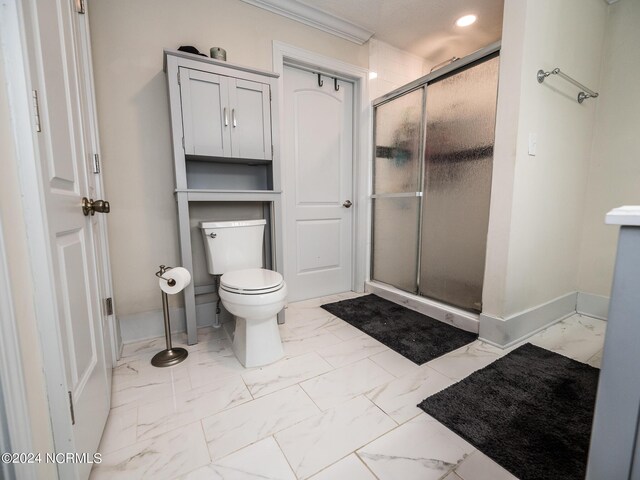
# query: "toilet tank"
233,245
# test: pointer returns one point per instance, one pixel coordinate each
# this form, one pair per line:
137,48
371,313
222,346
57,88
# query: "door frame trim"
285,54
12,389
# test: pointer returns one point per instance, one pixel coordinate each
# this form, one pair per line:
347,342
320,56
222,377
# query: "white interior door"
64,163
318,187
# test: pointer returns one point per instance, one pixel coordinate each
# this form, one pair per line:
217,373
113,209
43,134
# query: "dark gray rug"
530,411
413,335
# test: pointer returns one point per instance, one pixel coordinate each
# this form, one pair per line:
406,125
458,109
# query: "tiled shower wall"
394,67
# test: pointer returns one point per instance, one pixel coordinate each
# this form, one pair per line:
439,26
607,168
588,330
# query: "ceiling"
423,27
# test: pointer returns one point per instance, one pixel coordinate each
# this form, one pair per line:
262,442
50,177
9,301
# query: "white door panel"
318,142
66,179
74,279
58,88
318,164
319,245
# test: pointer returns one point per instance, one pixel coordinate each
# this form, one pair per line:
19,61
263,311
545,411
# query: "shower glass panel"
460,112
396,189
398,132
395,241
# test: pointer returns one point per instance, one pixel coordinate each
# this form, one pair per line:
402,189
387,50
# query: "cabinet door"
250,119
205,113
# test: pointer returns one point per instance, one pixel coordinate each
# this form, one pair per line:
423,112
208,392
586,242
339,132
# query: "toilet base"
257,342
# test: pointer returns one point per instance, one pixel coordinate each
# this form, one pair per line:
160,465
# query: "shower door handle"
347,204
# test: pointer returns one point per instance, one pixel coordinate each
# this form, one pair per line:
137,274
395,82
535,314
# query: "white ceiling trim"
315,18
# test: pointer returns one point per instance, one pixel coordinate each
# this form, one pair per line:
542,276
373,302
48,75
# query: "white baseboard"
445,313
506,332
592,305
147,325
496,331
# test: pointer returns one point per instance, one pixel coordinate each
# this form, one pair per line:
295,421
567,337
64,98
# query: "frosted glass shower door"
461,111
397,171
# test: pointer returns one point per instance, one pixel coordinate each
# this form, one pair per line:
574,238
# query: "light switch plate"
533,144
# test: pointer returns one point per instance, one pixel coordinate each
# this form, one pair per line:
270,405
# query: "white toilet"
253,295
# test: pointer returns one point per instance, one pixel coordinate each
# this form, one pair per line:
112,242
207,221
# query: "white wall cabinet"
250,119
224,116
225,151
205,104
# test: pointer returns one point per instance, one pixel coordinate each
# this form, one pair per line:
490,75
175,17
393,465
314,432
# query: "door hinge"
179,77
272,150
36,110
182,143
80,7
73,414
108,306
96,163
269,94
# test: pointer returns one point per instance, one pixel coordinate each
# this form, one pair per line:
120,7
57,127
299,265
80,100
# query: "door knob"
90,207
347,204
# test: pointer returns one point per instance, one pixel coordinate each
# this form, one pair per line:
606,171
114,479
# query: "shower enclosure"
432,182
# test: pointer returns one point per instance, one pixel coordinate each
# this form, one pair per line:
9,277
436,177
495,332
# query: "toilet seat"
251,281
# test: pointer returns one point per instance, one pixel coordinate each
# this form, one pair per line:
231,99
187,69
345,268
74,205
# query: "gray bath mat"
530,411
413,335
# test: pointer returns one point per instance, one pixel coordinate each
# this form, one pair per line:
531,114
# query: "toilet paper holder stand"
171,355
170,281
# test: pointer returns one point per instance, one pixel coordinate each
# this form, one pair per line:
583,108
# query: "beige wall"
535,231
11,217
127,42
614,175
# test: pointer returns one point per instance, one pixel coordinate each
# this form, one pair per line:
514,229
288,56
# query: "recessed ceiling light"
466,20
372,75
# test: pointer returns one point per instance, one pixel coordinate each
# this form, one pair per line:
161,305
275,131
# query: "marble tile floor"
340,405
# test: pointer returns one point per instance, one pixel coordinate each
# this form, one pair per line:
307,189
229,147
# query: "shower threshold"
445,313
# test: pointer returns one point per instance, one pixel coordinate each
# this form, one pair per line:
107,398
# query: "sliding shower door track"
440,311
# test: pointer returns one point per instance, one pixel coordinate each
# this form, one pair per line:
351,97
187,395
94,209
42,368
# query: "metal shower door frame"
418,194
422,83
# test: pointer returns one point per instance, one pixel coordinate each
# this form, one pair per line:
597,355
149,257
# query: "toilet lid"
251,281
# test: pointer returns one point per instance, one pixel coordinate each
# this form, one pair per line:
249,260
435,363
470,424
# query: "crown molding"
315,18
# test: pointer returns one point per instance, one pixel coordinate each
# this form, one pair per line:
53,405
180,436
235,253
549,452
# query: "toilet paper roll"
181,276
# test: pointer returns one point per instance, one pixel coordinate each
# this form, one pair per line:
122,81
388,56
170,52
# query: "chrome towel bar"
582,96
